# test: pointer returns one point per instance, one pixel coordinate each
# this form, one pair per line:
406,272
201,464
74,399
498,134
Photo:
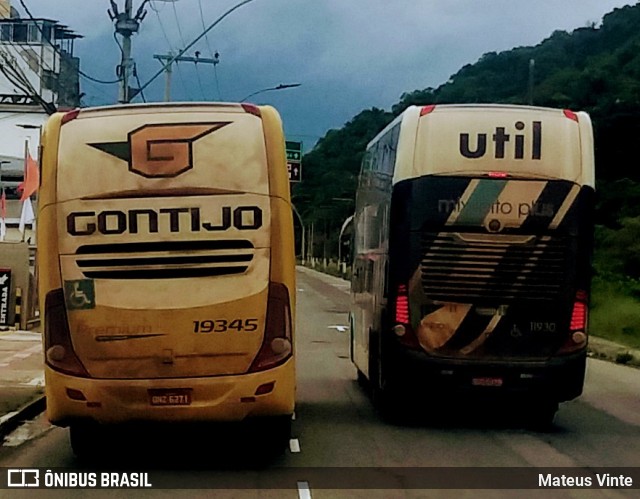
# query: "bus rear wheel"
87,440
539,414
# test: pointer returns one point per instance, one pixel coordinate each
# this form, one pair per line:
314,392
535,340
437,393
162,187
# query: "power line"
166,37
214,55
175,14
213,25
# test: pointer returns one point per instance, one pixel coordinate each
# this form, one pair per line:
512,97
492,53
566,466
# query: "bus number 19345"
224,325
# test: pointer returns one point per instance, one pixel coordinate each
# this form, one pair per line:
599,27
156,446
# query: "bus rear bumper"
208,399
558,379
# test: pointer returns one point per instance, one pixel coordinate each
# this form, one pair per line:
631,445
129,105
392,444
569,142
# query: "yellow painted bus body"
166,265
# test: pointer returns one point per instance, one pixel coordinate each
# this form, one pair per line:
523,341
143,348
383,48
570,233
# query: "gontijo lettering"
85,223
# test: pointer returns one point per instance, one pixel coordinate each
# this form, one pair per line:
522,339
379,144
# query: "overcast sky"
348,55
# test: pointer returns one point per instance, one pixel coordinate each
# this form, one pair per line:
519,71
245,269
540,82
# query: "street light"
282,86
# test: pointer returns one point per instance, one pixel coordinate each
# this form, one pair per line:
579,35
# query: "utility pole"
126,26
168,59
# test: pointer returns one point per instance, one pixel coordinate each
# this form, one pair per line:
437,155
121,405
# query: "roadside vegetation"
596,69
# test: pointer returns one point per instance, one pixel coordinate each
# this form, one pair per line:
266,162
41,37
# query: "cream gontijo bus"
472,258
166,267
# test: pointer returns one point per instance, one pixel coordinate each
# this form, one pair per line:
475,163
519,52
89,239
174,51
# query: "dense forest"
594,69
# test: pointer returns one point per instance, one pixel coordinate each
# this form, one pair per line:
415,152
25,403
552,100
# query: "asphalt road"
336,430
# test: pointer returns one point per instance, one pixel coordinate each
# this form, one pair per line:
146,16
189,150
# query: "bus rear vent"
164,260
454,269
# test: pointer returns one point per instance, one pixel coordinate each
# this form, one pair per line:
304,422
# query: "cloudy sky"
347,55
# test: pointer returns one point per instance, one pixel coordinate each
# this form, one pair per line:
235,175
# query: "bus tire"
362,379
272,433
374,367
86,440
540,414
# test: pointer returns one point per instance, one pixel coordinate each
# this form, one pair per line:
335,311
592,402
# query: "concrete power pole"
126,26
168,61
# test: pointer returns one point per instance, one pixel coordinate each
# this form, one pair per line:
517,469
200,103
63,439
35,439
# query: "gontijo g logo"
160,150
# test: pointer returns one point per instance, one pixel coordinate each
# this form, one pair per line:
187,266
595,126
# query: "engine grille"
165,260
495,268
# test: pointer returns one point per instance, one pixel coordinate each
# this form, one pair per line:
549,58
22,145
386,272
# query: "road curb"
12,420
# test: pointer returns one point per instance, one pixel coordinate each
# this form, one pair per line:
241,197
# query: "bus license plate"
496,382
170,396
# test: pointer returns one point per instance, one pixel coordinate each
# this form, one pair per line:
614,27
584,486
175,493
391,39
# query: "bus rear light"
570,114
578,325
74,394
402,305
265,388
579,337
498,174
277,344
60,355
579,313
427,109
70,116
402,328
252,109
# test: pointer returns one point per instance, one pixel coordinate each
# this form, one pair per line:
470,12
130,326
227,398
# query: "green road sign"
294,160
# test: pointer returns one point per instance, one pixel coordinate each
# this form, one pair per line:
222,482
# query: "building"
38,75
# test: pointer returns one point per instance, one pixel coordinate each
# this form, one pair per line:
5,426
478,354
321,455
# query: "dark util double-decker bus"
473,241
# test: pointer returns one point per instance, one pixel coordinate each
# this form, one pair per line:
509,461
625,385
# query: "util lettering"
501,139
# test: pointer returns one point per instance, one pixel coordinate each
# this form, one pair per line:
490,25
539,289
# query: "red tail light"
402,328
578,316
252,109
578,326
277,345
402,305
498,174
570,114
59,353
70,116
427,109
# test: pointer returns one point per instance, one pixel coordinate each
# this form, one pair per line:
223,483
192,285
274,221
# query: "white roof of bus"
430,143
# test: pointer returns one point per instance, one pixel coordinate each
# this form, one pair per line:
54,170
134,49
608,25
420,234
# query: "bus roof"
479,139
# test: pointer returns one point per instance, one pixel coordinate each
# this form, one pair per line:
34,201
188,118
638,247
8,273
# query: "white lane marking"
293,416
340,329
20,336
39,381
304,491
4,364
294,445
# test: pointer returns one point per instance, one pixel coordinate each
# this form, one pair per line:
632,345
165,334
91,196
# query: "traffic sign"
294,160
295,171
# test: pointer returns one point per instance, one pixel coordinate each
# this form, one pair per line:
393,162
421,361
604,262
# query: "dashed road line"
294,445
304,491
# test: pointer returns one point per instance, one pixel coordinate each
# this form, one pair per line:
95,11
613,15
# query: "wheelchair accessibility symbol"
80,294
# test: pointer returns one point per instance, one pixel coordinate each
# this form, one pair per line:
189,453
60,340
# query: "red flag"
31,177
